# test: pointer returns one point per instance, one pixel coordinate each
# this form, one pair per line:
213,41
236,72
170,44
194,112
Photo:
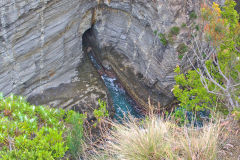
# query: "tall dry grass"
158,139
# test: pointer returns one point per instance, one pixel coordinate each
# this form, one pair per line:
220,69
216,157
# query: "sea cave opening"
122,102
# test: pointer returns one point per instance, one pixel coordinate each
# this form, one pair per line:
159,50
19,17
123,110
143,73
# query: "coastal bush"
101,112
155,32
191,93
193,15
75,137
180,115
166,39
197,27
215,78
181,49
184,25
236,113
175,30
31,132
163,39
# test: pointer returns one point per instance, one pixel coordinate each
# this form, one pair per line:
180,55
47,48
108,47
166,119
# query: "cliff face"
41,46
238,7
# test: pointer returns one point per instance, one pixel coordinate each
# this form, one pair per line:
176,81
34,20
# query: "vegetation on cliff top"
156,139
36,132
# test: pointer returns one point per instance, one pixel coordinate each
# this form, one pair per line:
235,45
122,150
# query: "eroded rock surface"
41,52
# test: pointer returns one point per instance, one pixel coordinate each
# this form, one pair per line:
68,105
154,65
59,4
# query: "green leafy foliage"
181,49
236,113
184,25
101,112
155,32
222,29
193,15
230,14
180,56
163,39
197,27
180,116
75,137
191,93
175,30
31,132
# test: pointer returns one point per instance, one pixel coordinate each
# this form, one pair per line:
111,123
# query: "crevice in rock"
119,98
135,83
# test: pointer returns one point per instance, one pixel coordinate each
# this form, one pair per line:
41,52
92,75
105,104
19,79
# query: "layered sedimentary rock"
238,6
41,47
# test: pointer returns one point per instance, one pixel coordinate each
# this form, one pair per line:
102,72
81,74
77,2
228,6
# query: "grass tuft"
156,139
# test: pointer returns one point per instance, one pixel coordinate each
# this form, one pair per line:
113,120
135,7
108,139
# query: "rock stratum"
42,54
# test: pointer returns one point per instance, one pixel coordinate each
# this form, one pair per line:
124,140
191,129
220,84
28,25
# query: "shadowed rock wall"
238,6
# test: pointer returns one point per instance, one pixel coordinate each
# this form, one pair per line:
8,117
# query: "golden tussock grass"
158,139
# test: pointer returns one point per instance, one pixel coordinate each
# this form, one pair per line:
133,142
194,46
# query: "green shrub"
180,116
163,39
236,113
170,38
101,112
175,30
183,25
155,32
180,56
197,27
191,93
30,132
207,87
182,48
193,15
75,137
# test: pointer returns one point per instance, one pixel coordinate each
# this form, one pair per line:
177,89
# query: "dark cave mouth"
122,102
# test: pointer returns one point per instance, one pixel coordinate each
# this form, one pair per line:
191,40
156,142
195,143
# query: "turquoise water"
122,102
125,105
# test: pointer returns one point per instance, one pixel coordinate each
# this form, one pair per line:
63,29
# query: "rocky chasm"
43,49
